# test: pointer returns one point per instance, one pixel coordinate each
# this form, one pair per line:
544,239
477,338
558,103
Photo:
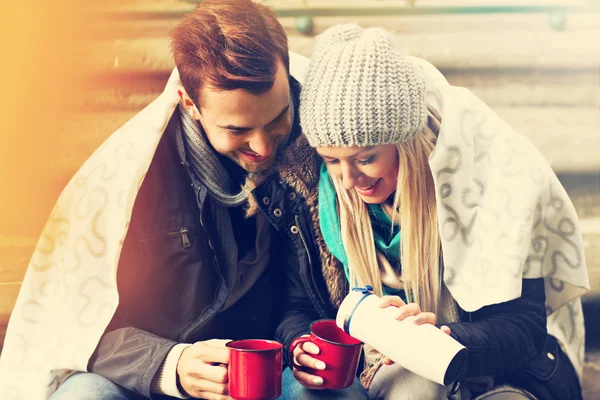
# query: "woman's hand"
302,358
408,310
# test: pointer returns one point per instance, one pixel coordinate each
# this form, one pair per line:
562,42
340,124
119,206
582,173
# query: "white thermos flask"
422,349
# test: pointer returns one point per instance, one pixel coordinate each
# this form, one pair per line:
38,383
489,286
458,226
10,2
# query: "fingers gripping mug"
339,351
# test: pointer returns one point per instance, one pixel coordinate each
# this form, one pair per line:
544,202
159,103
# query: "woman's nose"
350,176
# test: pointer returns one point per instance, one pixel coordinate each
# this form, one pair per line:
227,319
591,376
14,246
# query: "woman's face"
371,171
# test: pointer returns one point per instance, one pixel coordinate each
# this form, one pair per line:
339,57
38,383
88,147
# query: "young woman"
426,195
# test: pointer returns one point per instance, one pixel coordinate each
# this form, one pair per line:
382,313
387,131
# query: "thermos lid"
349,305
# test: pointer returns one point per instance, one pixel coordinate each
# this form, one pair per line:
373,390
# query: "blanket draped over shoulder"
69,293
503,216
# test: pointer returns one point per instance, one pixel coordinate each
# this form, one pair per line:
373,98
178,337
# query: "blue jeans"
292,390
88,386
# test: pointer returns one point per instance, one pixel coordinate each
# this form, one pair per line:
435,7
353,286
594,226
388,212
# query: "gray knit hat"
360,91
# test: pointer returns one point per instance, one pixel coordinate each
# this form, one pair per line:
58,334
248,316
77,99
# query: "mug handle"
293,345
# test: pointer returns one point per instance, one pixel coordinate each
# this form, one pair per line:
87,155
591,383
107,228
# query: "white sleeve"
165,380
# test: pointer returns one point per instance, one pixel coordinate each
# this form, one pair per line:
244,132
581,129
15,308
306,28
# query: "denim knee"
291,389
88,386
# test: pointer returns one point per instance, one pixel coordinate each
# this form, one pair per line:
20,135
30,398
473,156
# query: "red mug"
339,351
255,369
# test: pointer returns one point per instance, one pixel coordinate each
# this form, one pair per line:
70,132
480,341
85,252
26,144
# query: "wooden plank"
476,46
15,253
591,373
8,297
489,24
3,326
592,257
111,28
567,137
495,87
58,154
530,88
183,6
281,4
492,50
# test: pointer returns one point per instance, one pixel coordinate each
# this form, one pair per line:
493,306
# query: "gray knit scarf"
206,166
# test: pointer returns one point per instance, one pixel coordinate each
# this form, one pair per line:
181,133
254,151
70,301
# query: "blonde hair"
414,209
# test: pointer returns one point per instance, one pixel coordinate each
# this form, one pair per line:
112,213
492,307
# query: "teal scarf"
386,240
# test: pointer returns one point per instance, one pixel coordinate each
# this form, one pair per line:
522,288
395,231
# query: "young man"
157,252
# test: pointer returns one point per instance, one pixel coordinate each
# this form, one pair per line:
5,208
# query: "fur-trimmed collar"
299,169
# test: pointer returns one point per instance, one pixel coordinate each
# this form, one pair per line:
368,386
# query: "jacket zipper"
312,276
185,238
192,326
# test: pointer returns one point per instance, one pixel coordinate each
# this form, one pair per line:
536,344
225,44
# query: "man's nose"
262,143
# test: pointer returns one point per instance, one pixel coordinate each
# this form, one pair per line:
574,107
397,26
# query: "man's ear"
188,103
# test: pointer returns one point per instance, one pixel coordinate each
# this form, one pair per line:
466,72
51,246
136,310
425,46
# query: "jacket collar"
299,170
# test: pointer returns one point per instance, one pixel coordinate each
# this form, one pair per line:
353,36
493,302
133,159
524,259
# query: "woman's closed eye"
332,161
367,161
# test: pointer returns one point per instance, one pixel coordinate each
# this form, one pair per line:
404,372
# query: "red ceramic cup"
339,351
255,369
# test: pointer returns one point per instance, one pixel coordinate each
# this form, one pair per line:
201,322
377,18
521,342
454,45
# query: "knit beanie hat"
360,91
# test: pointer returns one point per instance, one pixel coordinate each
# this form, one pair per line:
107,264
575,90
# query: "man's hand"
302,358
202,370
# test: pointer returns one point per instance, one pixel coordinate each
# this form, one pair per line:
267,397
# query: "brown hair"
229,44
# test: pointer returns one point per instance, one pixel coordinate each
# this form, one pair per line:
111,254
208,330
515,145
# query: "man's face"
246,127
